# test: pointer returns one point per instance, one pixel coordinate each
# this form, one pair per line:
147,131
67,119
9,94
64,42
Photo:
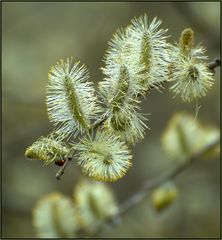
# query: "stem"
62,169
149,185
215,63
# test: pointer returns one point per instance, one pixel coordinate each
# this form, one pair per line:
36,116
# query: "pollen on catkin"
189,71
94,202
71,102
104,158
47,149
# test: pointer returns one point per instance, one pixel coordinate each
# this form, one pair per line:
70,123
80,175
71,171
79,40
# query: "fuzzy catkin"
104,158
71,102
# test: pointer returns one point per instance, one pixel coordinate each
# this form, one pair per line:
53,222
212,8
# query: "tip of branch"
215,63
58,177
218,61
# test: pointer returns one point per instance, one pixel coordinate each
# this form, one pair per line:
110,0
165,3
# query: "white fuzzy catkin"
71,102
189,72
48,149
104,158
143,49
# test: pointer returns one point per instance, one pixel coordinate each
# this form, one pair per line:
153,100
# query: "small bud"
60,162
163,196
186,42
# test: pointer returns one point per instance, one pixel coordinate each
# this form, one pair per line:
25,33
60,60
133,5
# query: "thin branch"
149,185
215,63
62,169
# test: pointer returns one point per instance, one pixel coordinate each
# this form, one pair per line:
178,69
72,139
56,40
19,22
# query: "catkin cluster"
138,59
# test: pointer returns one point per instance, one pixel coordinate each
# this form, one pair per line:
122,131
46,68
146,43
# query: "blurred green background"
35,36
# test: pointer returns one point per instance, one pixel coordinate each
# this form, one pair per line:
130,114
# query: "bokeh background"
35,36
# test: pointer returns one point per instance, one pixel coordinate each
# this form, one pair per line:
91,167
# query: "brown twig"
215,63
62,169
149,185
